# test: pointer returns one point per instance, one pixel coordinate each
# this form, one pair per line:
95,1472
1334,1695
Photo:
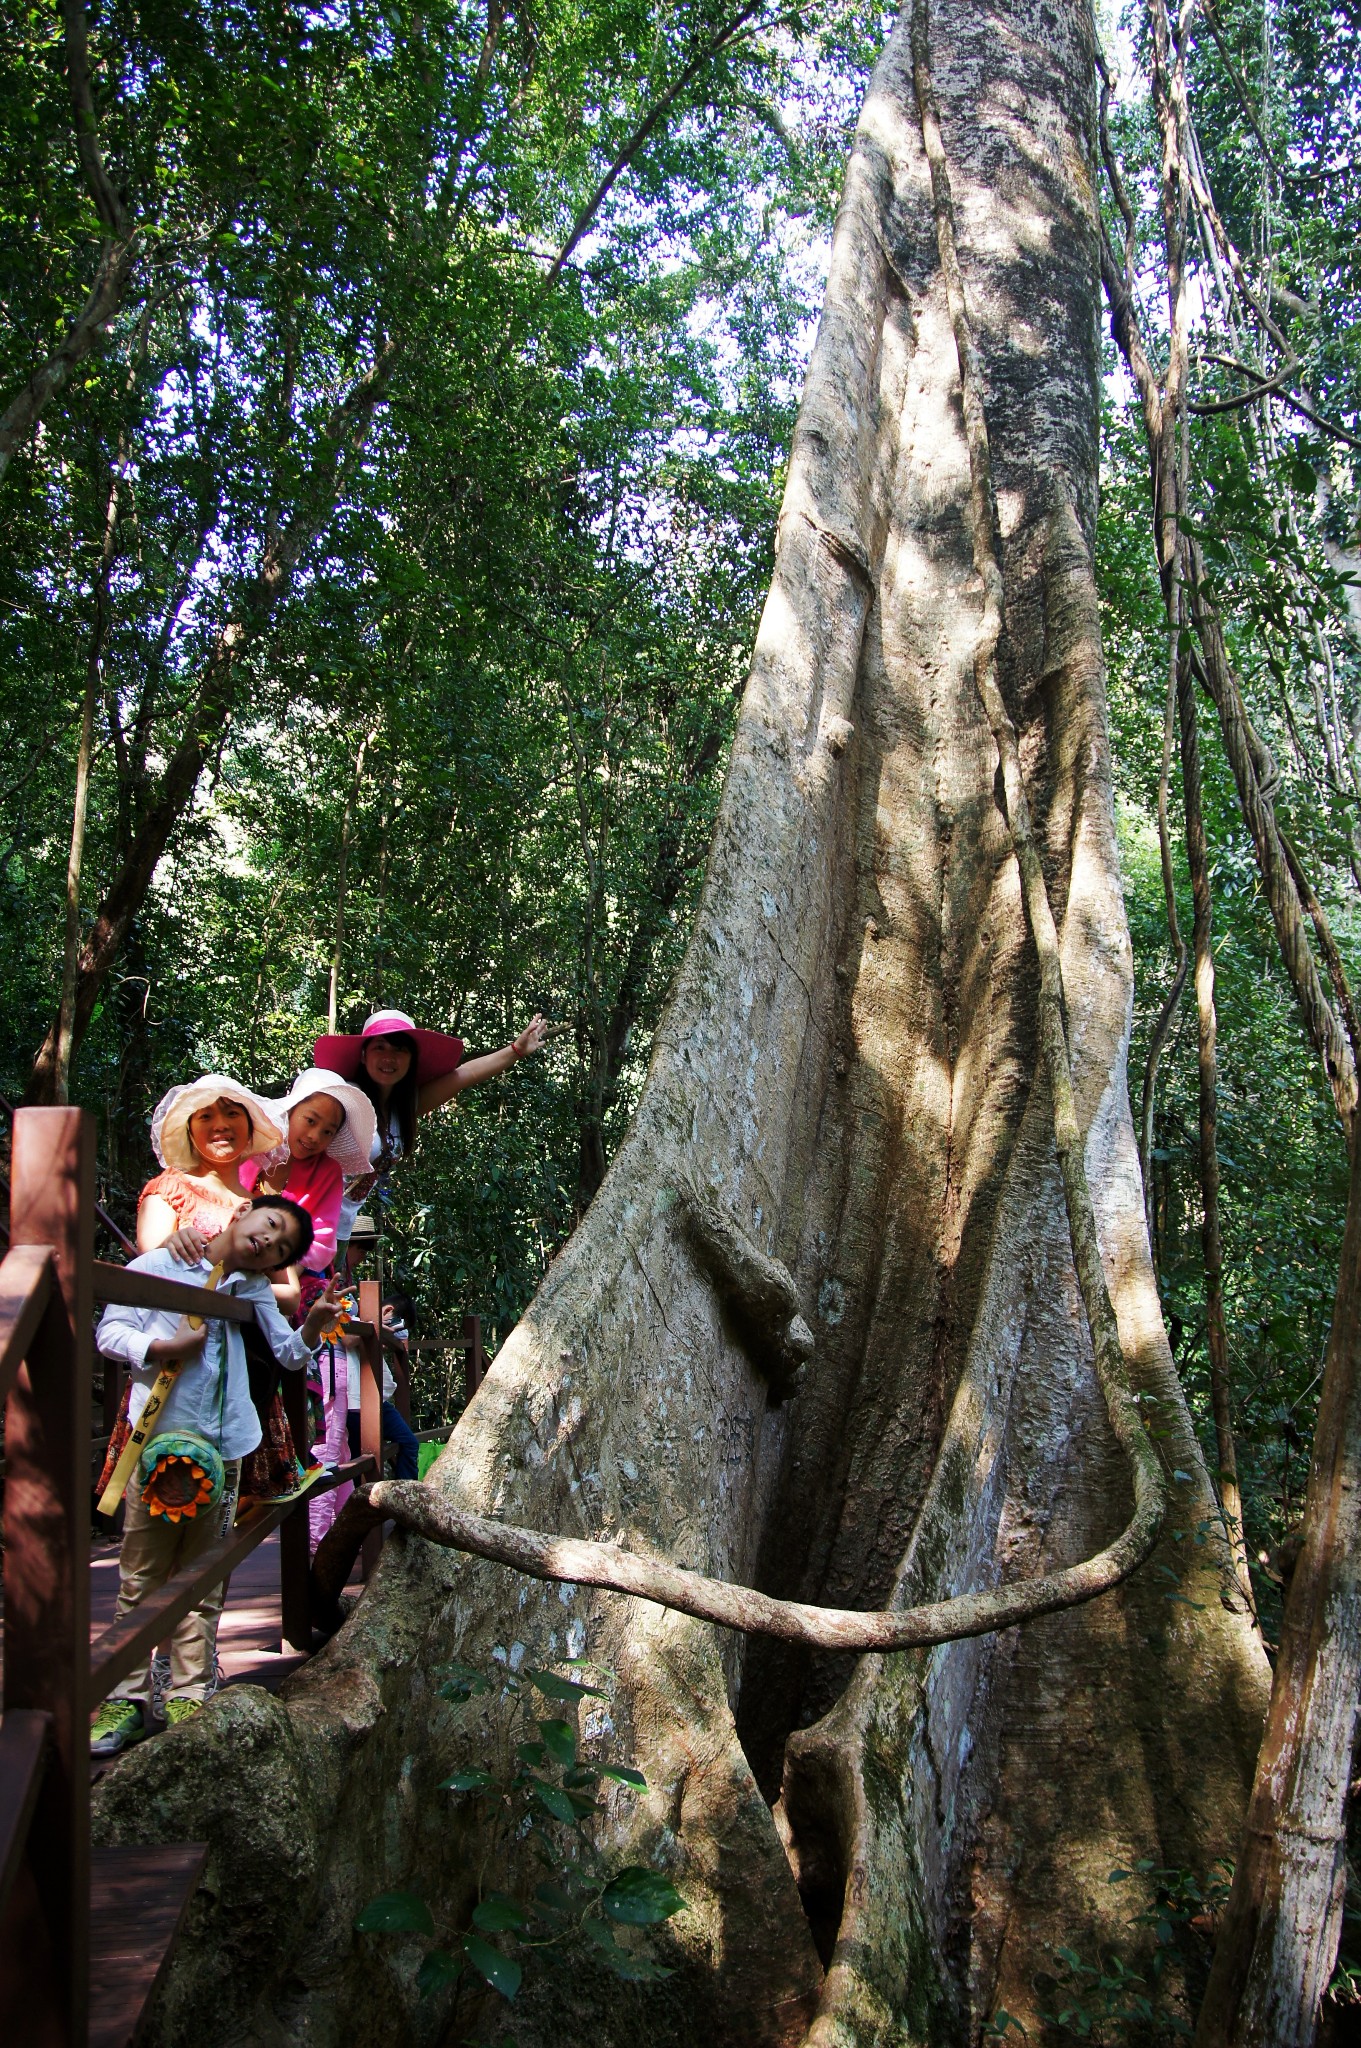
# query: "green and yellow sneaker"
118,1723
181,1710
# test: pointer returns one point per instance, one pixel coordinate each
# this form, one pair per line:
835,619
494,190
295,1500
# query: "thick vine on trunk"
846,1074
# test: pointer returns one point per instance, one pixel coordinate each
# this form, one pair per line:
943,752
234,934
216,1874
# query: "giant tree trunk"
848,1068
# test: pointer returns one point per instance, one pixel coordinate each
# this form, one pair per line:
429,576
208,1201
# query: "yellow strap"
196,1322
156,1400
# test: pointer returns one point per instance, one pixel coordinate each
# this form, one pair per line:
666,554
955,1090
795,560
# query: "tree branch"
646,128
341,440
23,412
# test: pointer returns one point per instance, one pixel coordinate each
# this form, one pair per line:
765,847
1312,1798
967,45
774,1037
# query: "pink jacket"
317,1185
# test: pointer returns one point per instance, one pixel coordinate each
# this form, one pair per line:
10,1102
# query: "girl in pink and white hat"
407,1072
329,1130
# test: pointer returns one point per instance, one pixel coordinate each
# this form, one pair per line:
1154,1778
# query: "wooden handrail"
24,1736
123,1645
128,1289
351,1473
26,1275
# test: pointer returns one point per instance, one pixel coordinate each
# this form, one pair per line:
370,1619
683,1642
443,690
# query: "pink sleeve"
321,1198
248,1170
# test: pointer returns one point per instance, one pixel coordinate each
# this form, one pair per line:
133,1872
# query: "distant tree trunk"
75,862
1278,1941
1216,1332
214,701
668,874
342,869
884,1849
116,258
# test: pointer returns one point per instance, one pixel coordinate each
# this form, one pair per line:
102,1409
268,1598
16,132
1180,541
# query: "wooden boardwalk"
249,1642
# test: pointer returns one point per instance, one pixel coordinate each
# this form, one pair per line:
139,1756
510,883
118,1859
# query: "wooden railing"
68,1974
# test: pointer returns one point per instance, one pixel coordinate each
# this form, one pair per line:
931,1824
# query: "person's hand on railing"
178,1349
186,1245
396,1342
324,1313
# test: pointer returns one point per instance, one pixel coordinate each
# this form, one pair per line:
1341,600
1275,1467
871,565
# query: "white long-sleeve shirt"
211,1394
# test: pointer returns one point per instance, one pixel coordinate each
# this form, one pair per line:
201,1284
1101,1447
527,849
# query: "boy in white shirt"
210,1398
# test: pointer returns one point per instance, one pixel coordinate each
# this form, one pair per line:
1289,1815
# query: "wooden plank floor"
139,1898
248,1638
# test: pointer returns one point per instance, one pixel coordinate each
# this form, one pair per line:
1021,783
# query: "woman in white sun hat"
201,1132
407,1072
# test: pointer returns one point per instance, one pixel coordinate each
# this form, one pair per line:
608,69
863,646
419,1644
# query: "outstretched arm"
435,1094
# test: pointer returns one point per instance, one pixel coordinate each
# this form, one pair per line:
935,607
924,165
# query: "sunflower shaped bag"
181,1476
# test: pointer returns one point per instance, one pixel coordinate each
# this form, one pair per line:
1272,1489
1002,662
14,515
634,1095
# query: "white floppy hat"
352,1146
170,1123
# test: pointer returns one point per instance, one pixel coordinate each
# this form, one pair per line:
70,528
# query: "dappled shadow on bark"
847,1070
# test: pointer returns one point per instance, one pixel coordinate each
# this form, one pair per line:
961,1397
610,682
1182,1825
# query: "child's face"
312,1125
261,1239
221,1132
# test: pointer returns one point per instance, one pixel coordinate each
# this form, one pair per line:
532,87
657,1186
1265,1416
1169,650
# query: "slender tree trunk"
76,858
116,258
850,1073
1254,775
75,861
1162,1025
214,702
1278,1941
342,867
1216,1334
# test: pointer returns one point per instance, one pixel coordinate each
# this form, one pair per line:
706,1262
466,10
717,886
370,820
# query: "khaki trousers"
153,1551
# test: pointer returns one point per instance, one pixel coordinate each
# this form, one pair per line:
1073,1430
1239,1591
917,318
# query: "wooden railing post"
371,1402
474,1359
47,1552
294,1548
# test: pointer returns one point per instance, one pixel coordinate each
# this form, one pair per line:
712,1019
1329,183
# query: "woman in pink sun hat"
407,1072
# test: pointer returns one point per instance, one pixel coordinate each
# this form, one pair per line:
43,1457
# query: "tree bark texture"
875,1850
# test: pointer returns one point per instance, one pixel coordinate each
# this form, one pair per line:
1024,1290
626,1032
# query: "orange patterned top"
203,1205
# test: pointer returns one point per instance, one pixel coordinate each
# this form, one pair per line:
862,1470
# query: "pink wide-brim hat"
437,1053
